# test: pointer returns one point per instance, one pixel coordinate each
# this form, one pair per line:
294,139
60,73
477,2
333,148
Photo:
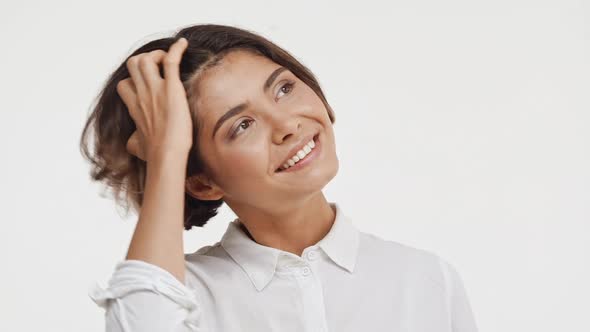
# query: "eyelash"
290,84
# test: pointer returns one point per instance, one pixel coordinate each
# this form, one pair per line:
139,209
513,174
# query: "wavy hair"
110,126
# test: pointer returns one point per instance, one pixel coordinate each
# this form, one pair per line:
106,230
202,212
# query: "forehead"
237,77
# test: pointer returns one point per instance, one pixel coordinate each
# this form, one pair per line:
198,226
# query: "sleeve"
461,315
144,297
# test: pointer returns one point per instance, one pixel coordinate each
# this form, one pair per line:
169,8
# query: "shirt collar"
260,262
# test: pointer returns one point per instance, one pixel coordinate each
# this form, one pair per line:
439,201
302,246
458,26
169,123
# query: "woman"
219,114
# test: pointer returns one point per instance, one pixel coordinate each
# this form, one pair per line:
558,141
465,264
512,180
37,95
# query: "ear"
200,187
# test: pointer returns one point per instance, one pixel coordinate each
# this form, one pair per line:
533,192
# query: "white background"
463,127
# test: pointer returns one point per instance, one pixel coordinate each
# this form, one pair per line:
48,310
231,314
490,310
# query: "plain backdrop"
463,128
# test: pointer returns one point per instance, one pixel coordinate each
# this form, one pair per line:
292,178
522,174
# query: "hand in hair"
163,138
158,105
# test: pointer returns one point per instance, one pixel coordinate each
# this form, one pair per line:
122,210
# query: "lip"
310,155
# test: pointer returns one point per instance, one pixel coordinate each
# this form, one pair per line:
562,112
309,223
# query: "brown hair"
112,125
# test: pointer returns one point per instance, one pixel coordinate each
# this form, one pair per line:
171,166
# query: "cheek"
314,103
246,163
244,170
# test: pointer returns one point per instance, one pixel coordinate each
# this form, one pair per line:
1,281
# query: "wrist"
168,155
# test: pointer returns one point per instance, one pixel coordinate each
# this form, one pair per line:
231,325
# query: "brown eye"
235,132
289,86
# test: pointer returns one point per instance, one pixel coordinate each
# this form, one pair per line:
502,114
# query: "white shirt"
348,281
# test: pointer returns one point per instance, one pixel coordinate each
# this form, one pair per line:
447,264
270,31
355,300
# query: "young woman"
219,115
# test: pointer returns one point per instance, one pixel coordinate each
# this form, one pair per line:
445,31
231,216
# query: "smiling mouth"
315,139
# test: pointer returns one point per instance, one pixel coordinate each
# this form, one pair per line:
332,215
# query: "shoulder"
208,254
209,264
405,261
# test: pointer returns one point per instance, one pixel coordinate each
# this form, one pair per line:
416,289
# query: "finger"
136,76
148,66
172,59
134,147
126,89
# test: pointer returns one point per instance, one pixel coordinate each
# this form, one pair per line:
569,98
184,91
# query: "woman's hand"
157,105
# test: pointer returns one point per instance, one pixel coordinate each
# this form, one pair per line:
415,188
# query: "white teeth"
299,155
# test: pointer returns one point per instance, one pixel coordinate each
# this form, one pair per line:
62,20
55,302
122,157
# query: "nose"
285,126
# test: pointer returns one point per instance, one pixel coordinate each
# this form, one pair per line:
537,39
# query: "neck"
293,228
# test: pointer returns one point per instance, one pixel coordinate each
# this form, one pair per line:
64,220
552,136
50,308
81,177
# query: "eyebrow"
241,107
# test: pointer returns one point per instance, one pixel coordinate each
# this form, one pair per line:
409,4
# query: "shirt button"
191,326
306,270
312,255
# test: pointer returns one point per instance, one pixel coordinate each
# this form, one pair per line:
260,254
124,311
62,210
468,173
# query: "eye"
289,85
235,132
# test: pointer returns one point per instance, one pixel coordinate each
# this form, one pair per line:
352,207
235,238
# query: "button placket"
305,270
312,297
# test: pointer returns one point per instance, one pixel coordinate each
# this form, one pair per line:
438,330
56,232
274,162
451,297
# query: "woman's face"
244,148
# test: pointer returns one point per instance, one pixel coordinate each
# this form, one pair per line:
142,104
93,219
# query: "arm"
144,297
461,314
147,291
158,234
